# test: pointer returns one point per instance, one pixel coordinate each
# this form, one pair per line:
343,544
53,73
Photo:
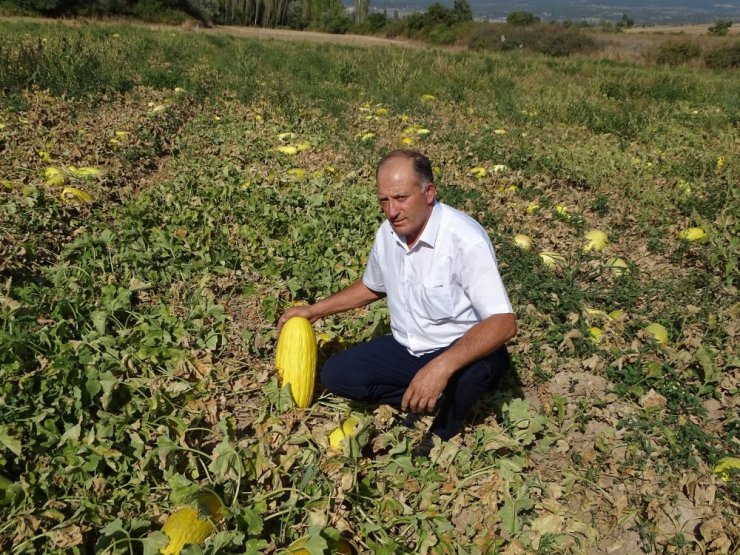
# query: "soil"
311,36
697,29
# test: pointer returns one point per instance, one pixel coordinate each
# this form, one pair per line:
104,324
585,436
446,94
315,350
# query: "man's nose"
393,209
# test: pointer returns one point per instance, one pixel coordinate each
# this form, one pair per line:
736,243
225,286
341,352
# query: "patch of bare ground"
638,47
237,31
695,29
310,36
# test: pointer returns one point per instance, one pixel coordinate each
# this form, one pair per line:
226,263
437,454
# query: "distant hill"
643,12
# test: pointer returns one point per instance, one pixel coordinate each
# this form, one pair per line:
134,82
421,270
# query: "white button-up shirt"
442,286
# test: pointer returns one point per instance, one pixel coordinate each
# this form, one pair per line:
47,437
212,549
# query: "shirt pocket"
436,302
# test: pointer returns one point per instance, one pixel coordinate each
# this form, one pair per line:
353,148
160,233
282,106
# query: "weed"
723,57
677,52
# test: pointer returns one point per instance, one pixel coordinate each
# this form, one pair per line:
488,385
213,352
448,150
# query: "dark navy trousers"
380,371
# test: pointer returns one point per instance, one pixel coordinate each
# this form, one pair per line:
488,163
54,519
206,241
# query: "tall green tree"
361,10
462,11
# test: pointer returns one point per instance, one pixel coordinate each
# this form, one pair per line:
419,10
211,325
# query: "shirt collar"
429,234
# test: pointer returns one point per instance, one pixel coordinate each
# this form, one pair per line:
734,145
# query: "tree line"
262,13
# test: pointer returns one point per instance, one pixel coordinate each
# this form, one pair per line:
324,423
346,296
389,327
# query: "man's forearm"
354,296
480,340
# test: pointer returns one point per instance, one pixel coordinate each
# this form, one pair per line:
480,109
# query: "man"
450,313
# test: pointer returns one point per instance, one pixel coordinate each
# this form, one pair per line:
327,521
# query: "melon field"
166,195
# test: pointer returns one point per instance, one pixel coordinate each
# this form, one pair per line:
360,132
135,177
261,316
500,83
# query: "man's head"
406,191
421,165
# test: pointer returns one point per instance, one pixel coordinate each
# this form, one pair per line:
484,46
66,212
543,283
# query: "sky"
643,12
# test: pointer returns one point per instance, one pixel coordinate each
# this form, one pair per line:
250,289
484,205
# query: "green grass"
138,329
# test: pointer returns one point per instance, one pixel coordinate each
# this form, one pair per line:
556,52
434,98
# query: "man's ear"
431,193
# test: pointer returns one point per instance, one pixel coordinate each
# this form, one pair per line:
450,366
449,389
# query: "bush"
11,8
438,23
565,43
491,37
150,10
720,28
723,57
442,34
438,14
336,23
521,18
549,39
375,21
625,23
677,52
462,11
295,18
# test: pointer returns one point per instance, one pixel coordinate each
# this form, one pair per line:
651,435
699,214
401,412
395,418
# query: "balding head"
420,165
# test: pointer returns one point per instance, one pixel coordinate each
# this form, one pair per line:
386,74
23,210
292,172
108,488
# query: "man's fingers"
412,398
414,402
418,400
287,315
422,404
406,399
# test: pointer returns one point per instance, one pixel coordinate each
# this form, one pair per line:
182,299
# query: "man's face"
403,202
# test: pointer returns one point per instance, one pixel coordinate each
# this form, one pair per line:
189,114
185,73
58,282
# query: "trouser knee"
331,374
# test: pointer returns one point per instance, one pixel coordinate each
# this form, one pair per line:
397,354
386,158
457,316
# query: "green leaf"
192,549
154,542
253,521
269,308
508,517
113,528
255,547
107,382
99,318
227,461
71,433
313,542
279,397
225,538
9,442
183,490
516,410
706,360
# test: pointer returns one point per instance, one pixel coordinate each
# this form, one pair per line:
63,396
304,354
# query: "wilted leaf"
71,193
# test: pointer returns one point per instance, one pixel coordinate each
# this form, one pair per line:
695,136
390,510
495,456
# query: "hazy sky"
642,11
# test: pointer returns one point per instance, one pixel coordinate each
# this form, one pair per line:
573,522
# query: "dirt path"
310,36
247,32
696,29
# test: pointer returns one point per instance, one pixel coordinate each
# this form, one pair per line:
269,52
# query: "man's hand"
303,311
425,389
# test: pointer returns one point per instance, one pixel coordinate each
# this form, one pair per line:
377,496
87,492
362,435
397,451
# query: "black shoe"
410,420
424,446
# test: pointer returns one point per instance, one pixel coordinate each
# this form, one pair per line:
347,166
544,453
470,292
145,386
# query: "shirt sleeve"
373,277
482,282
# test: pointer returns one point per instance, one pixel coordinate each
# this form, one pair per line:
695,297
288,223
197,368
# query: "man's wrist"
443,365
